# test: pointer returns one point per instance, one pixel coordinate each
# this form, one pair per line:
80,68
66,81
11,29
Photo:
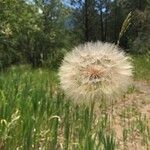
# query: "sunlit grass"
141,67
34,114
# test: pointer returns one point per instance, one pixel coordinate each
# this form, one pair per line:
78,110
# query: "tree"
32,32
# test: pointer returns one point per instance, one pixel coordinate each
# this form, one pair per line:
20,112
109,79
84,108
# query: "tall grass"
142,67
34,114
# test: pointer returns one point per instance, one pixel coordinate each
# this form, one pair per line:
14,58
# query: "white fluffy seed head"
93,71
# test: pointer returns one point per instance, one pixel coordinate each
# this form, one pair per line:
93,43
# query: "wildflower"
95,70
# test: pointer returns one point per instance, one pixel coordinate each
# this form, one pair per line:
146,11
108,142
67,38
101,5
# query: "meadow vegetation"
34,114
142,67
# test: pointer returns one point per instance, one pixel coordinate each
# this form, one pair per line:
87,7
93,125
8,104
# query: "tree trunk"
106,15
102,24
86,16
115,23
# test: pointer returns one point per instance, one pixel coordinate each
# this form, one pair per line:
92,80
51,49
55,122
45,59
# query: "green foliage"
32,32
40,32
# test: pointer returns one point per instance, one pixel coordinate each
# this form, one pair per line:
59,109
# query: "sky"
66,2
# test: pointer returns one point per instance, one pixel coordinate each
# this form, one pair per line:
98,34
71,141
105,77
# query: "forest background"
40,32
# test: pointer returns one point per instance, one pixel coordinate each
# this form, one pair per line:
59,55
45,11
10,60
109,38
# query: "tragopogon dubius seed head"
95,70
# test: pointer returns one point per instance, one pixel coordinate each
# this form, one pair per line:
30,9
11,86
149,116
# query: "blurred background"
40,32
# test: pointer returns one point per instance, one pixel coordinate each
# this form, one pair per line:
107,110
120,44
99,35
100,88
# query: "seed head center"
94,72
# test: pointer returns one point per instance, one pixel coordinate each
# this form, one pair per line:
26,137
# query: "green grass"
34,114
141,67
